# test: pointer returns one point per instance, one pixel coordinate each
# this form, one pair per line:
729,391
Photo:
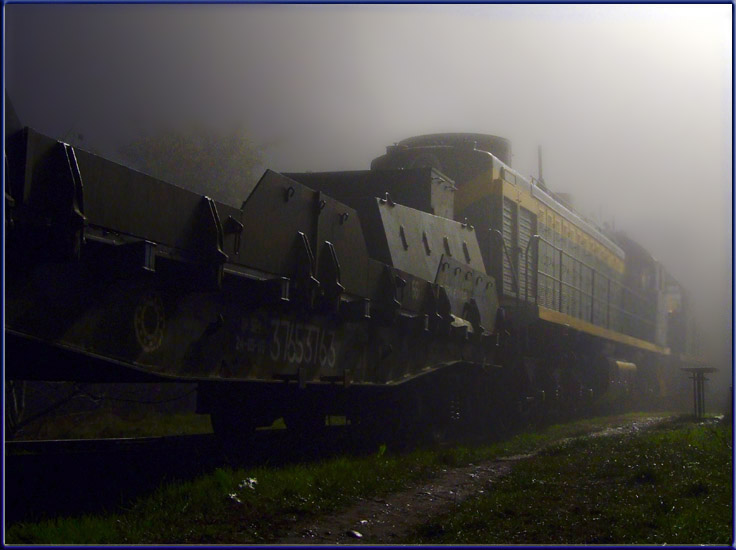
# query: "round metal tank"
497,146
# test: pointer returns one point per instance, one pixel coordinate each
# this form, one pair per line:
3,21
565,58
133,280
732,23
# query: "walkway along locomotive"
438,290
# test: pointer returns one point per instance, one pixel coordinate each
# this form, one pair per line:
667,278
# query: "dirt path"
389,519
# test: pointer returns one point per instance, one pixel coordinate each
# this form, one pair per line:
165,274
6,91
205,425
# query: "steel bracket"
305,286
329,278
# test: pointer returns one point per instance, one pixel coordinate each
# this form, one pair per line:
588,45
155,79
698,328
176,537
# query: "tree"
224,166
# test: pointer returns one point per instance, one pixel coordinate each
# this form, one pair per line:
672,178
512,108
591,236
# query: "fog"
632,104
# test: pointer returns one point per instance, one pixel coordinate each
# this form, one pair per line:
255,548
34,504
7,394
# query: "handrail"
592,269
626,292
594,275
596,299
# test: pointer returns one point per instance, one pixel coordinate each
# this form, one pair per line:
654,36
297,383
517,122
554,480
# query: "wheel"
15,395
305,423
234,430
423,418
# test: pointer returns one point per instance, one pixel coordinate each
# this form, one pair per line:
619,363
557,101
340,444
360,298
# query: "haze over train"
631,103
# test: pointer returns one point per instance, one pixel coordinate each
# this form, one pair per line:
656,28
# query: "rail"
601,304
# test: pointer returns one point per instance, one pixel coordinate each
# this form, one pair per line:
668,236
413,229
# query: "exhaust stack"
539,155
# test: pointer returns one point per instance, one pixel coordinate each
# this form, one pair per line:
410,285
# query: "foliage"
104,423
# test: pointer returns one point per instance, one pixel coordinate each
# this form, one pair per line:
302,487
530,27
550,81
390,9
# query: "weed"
104,423
665,486
226,506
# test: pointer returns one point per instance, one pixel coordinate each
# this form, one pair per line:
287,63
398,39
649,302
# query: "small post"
539,157
695,396
699,379
702,394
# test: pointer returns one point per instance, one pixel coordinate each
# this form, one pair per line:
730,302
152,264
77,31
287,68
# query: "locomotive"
439,290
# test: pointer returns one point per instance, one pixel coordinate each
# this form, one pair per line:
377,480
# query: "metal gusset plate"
416,240
472,294
278,209
339,225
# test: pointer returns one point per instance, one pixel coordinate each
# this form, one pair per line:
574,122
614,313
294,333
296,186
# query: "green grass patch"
105,423
253,506
671,484
235,506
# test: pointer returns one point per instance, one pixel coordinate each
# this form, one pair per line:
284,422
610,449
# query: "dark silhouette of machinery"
438,289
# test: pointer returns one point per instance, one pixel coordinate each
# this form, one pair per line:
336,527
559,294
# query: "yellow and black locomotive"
439,289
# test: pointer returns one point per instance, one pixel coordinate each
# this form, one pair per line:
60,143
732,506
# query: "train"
438,291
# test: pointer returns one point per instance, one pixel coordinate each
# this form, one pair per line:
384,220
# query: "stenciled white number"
302,343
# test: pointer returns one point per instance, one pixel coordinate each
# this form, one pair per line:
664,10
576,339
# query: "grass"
234,506
253,506
671,485
139,422
103,423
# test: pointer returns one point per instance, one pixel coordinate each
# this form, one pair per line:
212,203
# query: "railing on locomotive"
648,304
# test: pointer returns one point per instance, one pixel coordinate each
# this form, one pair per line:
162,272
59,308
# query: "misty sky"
632,104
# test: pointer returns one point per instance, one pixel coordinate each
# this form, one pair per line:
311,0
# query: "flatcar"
439,290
